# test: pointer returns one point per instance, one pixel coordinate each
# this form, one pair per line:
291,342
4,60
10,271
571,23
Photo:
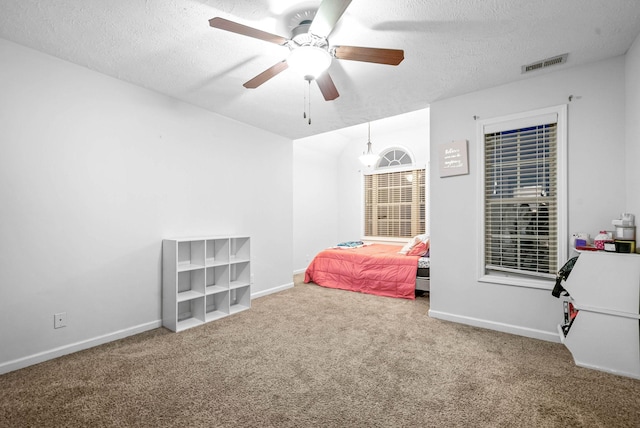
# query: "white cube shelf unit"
204,279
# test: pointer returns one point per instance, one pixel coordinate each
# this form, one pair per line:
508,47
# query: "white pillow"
413,242
409,245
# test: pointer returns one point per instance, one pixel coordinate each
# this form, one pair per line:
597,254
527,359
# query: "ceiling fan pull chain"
309,98
304,105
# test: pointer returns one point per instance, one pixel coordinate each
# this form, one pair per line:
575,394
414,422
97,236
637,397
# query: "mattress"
424,263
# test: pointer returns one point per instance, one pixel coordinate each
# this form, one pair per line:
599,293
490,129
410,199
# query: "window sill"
385,240
541,284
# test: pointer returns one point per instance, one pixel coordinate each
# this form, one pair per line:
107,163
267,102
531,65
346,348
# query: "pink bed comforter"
373,269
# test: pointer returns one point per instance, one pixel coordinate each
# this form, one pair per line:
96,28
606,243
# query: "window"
394,197
394,201
523,192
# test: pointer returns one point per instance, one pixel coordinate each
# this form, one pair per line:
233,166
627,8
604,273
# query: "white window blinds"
521,198
394,204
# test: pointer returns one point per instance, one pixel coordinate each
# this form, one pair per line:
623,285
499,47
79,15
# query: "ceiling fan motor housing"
301,36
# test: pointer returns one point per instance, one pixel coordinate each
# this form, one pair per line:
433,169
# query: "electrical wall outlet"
60,320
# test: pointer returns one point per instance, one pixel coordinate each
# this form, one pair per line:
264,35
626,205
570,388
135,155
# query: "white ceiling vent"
560,59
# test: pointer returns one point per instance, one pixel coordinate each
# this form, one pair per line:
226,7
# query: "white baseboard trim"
549,336
40,357
607,370
271,291
303,270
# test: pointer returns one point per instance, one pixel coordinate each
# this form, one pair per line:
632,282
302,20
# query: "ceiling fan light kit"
309,61
310,53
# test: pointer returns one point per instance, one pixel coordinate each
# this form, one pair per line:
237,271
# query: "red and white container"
600,239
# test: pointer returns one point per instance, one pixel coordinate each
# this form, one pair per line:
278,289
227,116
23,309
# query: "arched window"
394,157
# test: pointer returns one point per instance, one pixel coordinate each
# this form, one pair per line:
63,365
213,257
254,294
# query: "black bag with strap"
563,274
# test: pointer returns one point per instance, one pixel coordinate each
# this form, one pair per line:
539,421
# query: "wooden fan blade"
327,16
234,27
377,55
266,75
327,87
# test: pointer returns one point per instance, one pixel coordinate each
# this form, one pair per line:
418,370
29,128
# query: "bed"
379,269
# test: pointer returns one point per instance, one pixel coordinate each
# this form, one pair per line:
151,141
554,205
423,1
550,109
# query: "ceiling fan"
310,52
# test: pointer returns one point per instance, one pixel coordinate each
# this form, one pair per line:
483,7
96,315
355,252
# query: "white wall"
315,196
328,179
632,154
596,186
94,172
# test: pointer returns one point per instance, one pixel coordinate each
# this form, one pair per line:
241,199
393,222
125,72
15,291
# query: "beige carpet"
316,357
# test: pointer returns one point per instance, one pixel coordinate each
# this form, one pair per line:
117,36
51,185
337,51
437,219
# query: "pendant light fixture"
369,158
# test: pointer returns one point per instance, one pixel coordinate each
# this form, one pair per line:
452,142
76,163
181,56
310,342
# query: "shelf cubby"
217,306
217,251
239,299
190,284
190,313
240,274
217,279
239,249
190,255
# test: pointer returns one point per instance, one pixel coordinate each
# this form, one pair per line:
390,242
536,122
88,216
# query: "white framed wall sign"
453,158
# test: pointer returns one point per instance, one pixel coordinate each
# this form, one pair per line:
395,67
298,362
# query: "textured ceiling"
451,47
